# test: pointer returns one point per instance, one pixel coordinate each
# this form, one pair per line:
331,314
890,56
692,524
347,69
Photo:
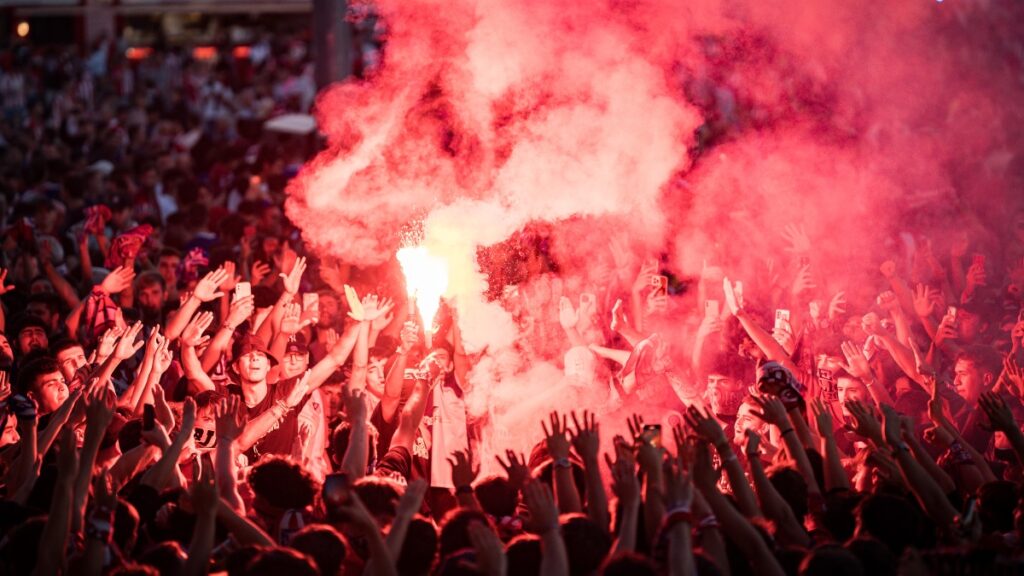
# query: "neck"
254,392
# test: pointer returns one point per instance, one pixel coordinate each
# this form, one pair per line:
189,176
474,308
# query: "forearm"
776,508
335,358
768,345
24,466
198,563
381,562
927,492
130,463
244,531
742,533
61,286
161,473
566,495
177,323
354,461
269,326
134,391
225,469
260,426
803,464
741,490
218,345
653,501
554,556
944,481
597,498
628,527
86,462
197,377
835,474
54,539
393,388
680,551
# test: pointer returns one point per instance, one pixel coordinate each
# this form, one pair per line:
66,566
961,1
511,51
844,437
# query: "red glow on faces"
204,52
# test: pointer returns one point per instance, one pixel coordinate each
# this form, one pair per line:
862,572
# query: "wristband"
97,529
787,431
730,457
464,489
673,518
563,463
709,521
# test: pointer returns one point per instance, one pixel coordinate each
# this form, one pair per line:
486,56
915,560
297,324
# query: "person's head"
454,534
168,264
330,310
278,484
325,545
419,548
586,543
251,359
497,496
166,557
792,487
724,391
439,356
70,357
42,381
971,321
629,564
891,519
975,371
875,557
375,369
150,292
46,307
996,502
380,496
850,389
296,357
32,334
747,419
829,560
279,560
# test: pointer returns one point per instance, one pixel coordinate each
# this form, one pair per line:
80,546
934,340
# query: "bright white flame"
426,280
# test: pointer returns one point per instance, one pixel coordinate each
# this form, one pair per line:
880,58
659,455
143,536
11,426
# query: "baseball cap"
296,345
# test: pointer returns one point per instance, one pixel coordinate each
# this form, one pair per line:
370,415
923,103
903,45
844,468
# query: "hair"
831,560
150,278
325,545
628,564
985,358
420,547
996,503
126,526
524,555
338,442
731,366
51,301
455,529
875,557
497,496
278,560
282,483
793,489
891,519
169,252
19,548
586,543
29,373
64,344
166,557
380,495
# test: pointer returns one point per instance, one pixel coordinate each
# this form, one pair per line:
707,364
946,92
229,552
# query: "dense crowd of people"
187,388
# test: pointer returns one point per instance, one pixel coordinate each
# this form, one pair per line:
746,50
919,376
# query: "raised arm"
567,496
207,290
708,429
789,528
586,440
396,377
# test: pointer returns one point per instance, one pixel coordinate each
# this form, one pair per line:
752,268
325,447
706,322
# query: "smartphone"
781,319
660,284
587,299
335,490
242,289
712,309
311,302
951,312
148,416
652,434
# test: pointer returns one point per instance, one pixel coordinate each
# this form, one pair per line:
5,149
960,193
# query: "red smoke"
698,129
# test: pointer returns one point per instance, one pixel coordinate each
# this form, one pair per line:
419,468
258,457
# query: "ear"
989,379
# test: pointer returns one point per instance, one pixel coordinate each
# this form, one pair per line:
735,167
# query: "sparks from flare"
426,280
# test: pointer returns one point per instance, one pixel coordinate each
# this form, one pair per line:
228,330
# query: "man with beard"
151,298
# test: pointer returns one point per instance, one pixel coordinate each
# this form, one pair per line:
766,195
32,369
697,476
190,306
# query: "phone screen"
781,319
242,289
652,434
712,309
335,490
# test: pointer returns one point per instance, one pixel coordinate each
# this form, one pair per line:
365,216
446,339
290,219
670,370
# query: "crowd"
185,388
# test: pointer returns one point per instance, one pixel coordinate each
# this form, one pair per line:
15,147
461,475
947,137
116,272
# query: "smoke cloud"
693,130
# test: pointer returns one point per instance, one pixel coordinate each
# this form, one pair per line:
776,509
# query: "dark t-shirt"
281,439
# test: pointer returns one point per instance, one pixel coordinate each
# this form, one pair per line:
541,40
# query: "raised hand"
258,271
888,269
837,306
207,289
232,278
567,315
293,279
100,402
374,307
705,426
354,402
705,475
678,486
999,414
924,300
891,425
865,424
463,471
515,468
105,347
733,297
298,391
118,280
822,419
388,315
203,494
541,504
240,311
490,553
230,417
555,438
4,287
619,320
1014,372
127,346
803,282
856,363
772,411
753,447
192,336
355,305
292,322
625,484
643,278
410,336
162,357
799,242
585,436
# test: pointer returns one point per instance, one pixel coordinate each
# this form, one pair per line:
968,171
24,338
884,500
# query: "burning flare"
426,280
